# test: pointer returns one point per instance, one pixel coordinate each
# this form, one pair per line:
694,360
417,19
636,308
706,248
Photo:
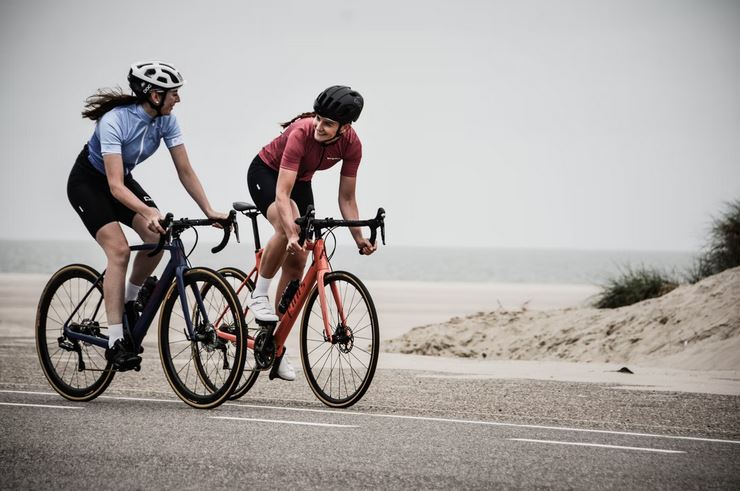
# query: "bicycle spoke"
196,368
75,289
340,371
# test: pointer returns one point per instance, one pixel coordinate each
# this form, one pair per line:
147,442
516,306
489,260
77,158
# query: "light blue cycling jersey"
130,132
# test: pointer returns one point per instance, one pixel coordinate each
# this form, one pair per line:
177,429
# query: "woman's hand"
217,215
152,218
293,246
366,247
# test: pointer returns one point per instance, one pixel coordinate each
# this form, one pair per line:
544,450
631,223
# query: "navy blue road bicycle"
202,366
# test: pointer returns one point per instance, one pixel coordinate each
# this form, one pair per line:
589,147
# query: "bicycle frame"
315,275
174,270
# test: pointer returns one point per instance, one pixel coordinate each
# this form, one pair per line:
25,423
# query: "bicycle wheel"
202,369
339,370
77,370
235,277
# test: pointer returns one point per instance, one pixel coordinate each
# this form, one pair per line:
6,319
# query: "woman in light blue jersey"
101,189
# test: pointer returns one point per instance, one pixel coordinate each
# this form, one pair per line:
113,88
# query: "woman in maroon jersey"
279,180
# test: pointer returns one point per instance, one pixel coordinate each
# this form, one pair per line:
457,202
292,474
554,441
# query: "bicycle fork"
200,329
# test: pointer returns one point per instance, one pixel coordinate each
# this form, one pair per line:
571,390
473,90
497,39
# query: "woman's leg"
143,264
292,266
114,244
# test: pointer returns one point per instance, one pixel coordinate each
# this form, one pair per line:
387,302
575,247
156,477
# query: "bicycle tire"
222,367
79,371
340,373
235,277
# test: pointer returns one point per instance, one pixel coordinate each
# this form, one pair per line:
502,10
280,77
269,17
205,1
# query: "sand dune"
694,327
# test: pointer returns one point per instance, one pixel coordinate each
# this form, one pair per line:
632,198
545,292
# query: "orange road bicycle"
339,336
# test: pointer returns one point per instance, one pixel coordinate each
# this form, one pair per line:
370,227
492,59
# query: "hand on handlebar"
366,247
219,216
153,220
294,246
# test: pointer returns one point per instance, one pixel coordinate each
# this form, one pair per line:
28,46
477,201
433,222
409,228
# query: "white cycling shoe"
285,371
261,308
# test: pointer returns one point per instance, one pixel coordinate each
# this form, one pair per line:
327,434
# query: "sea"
390,263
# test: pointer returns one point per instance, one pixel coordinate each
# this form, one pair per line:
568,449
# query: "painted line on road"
27,392
600,445
139,399
302,423
417,418
118,398
487,423
50,406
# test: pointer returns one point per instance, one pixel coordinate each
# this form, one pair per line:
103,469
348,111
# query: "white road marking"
119,398
416,418
140,399
39,405
486,423
620,447
28,392
303,423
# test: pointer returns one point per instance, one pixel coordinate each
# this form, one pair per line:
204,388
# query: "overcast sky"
575,124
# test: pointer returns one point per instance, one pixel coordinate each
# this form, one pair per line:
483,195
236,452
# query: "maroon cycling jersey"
297,150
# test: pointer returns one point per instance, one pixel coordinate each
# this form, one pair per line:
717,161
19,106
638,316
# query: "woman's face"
324,129
172,98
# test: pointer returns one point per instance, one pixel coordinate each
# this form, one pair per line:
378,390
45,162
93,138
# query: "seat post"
256,231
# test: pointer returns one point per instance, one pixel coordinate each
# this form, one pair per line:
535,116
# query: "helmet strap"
159,106
335,137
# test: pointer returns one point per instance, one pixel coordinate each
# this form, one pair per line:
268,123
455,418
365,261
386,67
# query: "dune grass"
723,247
634,285
721,252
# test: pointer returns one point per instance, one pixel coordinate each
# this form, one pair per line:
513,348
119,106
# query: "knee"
294,265
118,255
148,236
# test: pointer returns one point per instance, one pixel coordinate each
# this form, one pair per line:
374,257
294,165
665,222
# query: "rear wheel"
235,278
202,368
340,369
75,369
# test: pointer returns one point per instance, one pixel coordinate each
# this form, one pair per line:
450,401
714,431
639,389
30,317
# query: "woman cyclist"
104,194
279,181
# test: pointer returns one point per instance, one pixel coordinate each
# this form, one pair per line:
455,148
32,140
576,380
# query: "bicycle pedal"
266,324
128,364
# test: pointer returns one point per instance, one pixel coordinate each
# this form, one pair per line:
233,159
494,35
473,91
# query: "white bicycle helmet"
147,75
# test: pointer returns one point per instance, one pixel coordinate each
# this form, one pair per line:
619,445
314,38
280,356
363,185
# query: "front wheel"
77,370
340,367
201,366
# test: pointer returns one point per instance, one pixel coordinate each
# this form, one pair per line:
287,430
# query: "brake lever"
381,217
163,237
379,221
227,231
305,223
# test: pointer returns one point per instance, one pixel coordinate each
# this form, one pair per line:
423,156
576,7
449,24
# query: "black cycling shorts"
262,182
90,196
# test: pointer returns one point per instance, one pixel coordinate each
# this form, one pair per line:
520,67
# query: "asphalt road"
413,429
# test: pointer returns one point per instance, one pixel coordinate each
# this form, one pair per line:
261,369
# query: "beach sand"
449,320
693,331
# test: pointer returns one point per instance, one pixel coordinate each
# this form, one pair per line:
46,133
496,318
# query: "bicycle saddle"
243,206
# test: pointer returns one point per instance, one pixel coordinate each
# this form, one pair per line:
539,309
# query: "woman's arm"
348,208
113,163
285,182
191,183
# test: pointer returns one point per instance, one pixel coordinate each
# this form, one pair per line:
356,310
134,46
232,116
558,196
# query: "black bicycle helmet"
339,103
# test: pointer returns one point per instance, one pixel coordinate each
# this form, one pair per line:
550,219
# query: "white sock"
115,332
261,287
132,291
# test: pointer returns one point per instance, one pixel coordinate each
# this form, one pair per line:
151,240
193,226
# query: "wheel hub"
343,338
